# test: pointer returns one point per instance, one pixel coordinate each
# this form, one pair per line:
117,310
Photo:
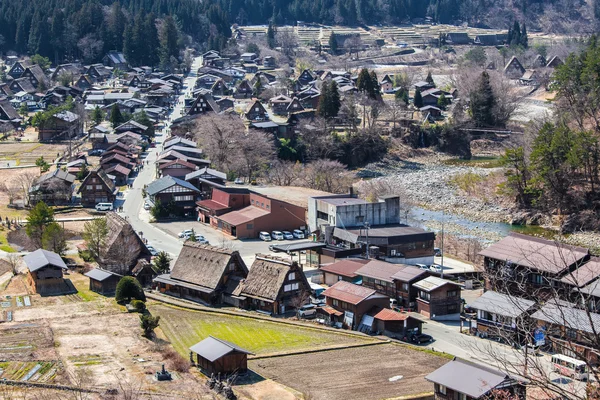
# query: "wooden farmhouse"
216,356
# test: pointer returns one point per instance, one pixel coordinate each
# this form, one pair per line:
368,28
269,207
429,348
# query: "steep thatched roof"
204,265
266,277
123,246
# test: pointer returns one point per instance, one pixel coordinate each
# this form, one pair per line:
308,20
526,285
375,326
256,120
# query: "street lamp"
442,247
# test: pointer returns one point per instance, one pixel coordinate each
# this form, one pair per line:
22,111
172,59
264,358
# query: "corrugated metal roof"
345,267
432,283
243,216
99,274
502,304
535,253
468,378
166,182
381,270
584,274
349,292
389,315
40,258
562,313
212,348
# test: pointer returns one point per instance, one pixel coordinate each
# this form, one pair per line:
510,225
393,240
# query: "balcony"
487,322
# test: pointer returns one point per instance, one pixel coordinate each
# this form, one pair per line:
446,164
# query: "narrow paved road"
133,205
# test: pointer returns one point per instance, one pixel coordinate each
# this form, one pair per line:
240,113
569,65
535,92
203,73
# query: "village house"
84,82
19,67
122,247
168,188
569,330
204,273
70,71
96,188
554,62
243,90
177,168
144,272
115,59
255,111
36,76
119,171
62,125
132,126
179,141
205,179
98,73
394,323
22,85
53,188
274,286
171,155
486,40
354,302
306,77
438,299
514,69
222,200
502,315
461,379
45,273
103,282
532,264
457,38
204,103
8,112
579,285
219,357
343,270
387,84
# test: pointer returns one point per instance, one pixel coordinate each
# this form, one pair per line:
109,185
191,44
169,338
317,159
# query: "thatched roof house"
204,273
274,285
123,246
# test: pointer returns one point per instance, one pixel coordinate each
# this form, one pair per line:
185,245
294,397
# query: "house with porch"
204,273
206,179
177,168
274,286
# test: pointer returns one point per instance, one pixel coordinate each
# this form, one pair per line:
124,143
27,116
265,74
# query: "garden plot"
27,342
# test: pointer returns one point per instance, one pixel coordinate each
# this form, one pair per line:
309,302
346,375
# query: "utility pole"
367,230
442,262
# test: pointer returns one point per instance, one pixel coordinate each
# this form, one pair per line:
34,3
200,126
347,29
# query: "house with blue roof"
169,190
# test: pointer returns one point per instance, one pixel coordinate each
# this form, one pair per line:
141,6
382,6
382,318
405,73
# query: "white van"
104,207
264,236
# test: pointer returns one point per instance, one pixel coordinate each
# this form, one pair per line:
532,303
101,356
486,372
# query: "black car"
421,338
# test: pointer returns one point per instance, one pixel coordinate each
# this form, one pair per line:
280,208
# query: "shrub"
175,361
129,288
139,305
148,324
86,255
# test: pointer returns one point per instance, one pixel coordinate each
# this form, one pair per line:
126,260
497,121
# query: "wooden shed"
102,281
216,356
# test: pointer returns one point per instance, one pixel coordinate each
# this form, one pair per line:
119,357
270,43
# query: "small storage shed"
46,272
215,356
102,281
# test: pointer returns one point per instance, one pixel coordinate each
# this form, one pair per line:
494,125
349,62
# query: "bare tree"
90,47
25,182
14,261
286,38
284,173
218,136
256,149
11,190
300,299
121,256
318,140
327,175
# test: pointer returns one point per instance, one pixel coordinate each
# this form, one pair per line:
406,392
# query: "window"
452,293
231,266
268,207
89,187
571,334
184,198
291,276
536,279
405,287
336,303
360,219
249,226
252,201
290,287
262,204
460,396
98,187
441,389
424,295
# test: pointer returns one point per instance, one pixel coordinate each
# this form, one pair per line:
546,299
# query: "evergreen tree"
116,118
429,79
375,85
322,107
401,95
333,43
54,239
442,102
142,118
97,115
271,36
335,103
39,218
169,42
129,288
524,40
364,83
515,34
418,100
162,263
150,38
483,101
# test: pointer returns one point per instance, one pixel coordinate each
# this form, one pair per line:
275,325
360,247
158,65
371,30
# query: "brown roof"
266,277
180,162
204,265
535,253
347,267
349,292
120,232
331,311
243,216
388,315
212,205
409,273
121,169
102,175
379,270
584,274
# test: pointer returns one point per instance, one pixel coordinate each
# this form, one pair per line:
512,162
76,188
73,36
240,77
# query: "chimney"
351,191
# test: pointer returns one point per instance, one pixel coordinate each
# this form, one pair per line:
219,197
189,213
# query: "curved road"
133,205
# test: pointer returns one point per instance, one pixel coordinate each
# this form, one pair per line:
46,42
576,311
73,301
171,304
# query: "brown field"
26,153
356,373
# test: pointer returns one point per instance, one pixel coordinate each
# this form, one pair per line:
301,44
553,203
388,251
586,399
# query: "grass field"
185,328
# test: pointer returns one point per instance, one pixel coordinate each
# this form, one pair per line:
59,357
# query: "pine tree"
335,102
97,115
364,83
322,107
418,100
116,118
401,95
374,85
150,38
271,36
429,79
524,39
442,102
516,34
483,101
169,46
333,43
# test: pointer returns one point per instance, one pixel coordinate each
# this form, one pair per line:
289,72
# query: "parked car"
437,252
317,300
298,234
146,206
238,181
307,311
421,338
152,250
422,266
277,235
273,249
186,233
287,235
200,239
436,268
104,207
265,236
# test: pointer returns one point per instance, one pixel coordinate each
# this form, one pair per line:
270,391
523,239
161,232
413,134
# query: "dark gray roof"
502,304
99,274
179,141
562,313
465,377
40,258
204,171
57,173
166,182
212,348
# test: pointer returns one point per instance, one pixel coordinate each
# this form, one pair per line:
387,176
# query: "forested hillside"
66,29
